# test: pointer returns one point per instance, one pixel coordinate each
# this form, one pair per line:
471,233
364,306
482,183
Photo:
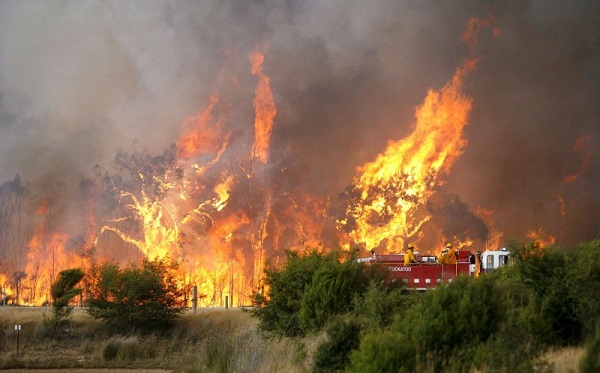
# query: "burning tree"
387,201
210,202
220,204
12,238
139,214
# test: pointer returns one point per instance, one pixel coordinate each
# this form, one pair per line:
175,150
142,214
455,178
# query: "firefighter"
448,254
409,256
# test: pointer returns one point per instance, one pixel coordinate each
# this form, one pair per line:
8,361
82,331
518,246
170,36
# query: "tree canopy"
145,297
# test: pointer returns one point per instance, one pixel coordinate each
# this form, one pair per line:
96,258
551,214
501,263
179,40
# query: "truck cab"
490,260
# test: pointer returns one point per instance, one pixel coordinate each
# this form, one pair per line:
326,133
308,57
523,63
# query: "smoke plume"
82,80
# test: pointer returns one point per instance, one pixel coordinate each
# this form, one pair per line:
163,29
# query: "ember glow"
219,135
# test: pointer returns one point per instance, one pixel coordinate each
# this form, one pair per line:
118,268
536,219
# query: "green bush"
330,292
448,324
143,298
590,362
333,354
515,346
63,291
278,311
445,330
378,304
583,284
548,272
383,352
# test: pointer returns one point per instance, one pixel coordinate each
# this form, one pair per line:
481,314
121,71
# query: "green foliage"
448,324
590,362
334,354
378,304
583,284
300,353
63,291
383,352
516,344
512,349
330,293
546,273
499,323
445,330
278,312
144,298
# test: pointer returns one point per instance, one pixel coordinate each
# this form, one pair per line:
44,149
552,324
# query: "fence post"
18,329
194,298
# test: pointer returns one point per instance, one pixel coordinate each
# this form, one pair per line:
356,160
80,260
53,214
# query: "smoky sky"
81,79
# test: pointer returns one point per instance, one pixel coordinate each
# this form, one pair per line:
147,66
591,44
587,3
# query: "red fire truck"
428,273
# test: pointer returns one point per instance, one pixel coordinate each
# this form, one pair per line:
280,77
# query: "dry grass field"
212,340
215,340
89,371
565,360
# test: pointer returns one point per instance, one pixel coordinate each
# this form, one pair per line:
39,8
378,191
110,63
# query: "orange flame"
264,107
203,132
46,257
580,147
540,238
409,168
494,240
160,231
391,191
44,207
222,242
5,289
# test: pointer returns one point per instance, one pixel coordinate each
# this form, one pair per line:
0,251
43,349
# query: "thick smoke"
81,79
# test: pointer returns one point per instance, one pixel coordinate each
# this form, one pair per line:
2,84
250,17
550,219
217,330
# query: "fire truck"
428,273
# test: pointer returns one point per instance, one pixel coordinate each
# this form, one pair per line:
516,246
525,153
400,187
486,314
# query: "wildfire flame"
217,213
264,107
540,238
394,187
388,196
202,133
46,257
580,147
192,210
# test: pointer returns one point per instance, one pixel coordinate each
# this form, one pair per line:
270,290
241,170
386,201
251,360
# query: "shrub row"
548,297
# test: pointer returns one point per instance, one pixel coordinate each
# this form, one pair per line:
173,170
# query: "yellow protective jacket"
448,257
409,257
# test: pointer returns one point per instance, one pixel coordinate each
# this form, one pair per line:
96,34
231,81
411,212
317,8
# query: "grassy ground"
212,340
